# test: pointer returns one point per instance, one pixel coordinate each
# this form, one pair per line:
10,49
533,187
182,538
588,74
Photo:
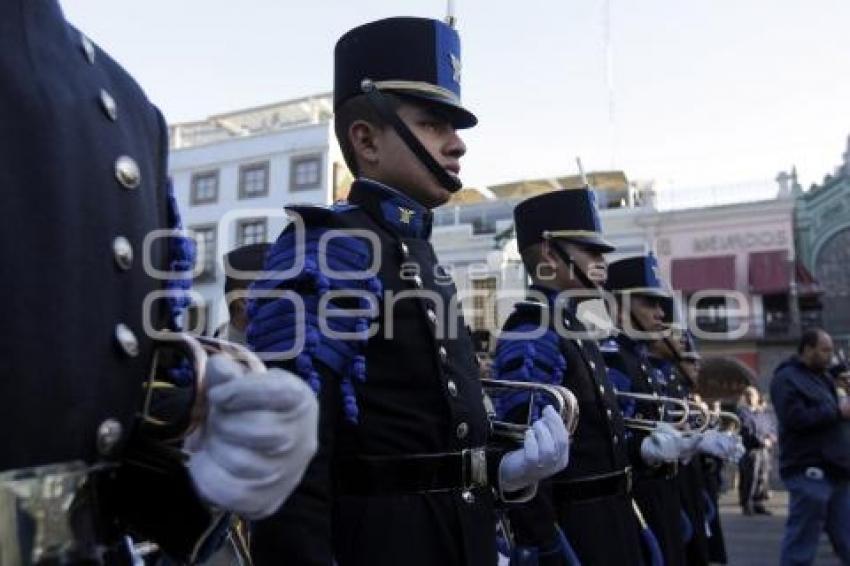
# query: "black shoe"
761,510
747,510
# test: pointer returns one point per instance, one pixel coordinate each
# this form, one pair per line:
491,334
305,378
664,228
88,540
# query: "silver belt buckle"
474,468
42,515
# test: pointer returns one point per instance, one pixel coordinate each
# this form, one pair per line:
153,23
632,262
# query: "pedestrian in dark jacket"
814,450
758,433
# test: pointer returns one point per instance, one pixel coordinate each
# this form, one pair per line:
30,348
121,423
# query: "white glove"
259,435
661,446
689,446
722,445
545,451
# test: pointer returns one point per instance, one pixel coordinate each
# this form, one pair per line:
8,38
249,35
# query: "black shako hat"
417,57
239,263
570,214
637,275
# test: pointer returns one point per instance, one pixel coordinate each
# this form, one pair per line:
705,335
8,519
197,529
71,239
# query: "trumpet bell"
175,391
670,410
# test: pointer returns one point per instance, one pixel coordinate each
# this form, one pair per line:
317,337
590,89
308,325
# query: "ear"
363,137
547,254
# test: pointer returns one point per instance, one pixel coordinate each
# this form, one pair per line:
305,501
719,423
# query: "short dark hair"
809,339
352,110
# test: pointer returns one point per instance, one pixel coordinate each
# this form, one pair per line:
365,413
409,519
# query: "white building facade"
234,173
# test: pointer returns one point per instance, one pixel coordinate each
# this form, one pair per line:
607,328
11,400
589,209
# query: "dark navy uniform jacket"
410,388
83,180
656,493
629,369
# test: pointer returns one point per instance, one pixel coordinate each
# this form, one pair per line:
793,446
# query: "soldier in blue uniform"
675,360
360,307
559,237
640,318
665,357
84,181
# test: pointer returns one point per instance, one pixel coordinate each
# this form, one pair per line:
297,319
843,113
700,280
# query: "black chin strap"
582,276
382,104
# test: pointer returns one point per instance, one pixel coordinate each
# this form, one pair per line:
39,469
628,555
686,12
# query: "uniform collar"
628,343
568,304
394,209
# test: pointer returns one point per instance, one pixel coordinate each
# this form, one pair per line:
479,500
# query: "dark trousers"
603,531
658,500
691,494
754,481
712,468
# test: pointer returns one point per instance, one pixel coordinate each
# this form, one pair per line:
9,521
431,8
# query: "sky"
693,93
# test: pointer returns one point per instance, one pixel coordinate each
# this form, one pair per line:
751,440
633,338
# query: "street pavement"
755,540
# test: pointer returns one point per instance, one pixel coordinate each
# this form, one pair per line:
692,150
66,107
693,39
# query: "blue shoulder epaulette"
276,326
181,262
532,358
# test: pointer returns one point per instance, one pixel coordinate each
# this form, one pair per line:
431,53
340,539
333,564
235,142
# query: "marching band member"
403,474
640,318
85,151
586,510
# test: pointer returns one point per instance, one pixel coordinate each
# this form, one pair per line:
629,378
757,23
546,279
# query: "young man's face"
396,165
648,313
585,258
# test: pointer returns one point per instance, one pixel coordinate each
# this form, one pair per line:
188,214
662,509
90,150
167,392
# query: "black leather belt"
664,471
593,487
416,473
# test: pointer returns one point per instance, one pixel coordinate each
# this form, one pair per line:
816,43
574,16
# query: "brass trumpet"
677,409
195,350
699,417
561,399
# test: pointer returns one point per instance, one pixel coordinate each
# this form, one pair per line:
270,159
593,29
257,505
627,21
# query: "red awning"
698,273
770,272
807,285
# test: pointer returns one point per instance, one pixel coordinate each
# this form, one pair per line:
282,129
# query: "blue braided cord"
273,321
182,374
687,526
537,361
502,545
652,547
181,260
566,549
545,348
344,254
